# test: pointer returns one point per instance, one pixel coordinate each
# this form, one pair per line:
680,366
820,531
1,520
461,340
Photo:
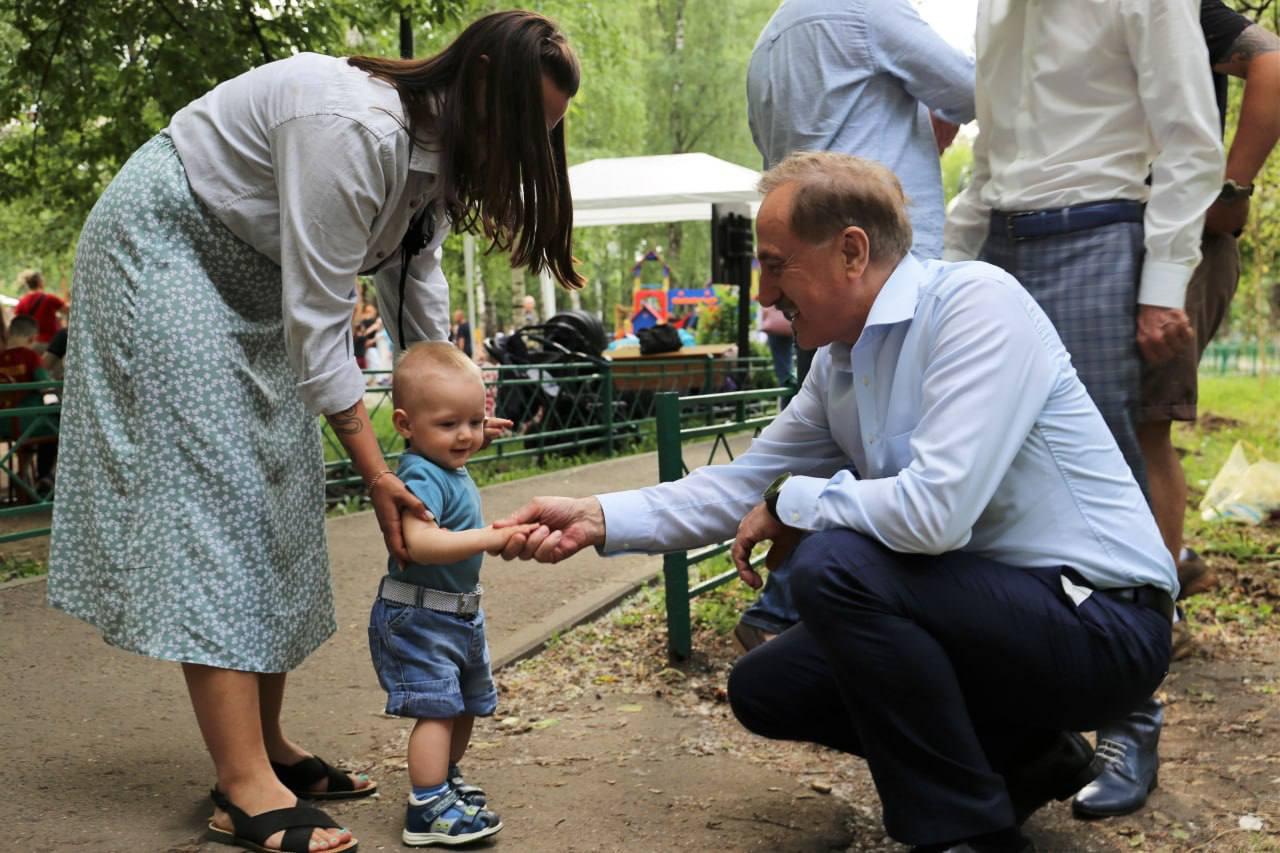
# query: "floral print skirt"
188,523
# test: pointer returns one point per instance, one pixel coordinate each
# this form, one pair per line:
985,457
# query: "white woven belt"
461,603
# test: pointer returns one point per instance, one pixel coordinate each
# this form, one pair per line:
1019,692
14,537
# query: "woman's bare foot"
254,799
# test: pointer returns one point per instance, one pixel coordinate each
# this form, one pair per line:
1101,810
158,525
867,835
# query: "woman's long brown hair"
479,103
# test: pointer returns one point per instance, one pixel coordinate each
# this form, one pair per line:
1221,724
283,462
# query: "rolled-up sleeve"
333,178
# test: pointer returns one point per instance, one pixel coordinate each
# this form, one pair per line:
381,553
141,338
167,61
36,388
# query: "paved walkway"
101,747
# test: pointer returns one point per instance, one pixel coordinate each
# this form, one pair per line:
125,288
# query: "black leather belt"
1146,596
1153,598
1030,224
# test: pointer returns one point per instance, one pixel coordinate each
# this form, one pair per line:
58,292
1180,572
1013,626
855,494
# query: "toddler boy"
426,631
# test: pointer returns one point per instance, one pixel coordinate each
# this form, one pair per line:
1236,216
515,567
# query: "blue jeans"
433,665
943,671
774,610
780,347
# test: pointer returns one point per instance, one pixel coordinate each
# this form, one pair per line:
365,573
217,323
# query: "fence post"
675,566
608,408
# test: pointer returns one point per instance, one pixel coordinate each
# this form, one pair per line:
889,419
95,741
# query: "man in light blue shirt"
992,583
862,78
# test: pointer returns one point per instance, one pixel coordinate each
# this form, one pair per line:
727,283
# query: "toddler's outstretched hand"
502,534
494,428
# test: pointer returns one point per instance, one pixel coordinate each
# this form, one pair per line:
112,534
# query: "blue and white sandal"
447,820
472,795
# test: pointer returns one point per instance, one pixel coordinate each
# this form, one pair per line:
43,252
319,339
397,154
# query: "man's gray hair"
834,191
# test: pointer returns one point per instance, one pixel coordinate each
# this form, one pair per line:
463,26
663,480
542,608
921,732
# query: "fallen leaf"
547,723
631,709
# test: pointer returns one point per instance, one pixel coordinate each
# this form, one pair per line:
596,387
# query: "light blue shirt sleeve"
708,505
931,70
971,427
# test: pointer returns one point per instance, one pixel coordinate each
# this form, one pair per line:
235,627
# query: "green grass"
1231,409
15,567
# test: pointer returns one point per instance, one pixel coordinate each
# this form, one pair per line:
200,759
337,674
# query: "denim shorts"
433,665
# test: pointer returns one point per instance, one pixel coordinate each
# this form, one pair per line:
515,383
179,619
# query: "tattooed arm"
389,496
1255,57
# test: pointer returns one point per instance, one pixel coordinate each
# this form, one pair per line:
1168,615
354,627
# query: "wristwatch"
770,496
1231,191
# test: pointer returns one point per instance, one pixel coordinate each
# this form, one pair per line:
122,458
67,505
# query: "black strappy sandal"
300,778
298,823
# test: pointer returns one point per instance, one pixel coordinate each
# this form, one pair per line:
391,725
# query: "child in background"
21,363
426,631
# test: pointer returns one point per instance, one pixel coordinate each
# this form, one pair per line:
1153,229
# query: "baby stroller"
558,399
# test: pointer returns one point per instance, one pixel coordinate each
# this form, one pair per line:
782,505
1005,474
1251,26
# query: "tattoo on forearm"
1254,41
346,422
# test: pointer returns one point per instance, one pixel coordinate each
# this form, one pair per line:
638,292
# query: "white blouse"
308,161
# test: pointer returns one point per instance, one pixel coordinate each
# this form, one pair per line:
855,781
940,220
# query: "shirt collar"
421,160
895,303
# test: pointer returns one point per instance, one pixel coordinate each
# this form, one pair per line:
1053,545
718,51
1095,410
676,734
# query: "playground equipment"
653,304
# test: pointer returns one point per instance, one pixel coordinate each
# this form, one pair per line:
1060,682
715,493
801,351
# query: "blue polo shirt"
454,501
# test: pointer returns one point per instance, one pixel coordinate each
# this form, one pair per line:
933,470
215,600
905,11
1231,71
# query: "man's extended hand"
758,526
1162,332
564,527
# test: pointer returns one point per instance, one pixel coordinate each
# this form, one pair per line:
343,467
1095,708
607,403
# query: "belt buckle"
1010,221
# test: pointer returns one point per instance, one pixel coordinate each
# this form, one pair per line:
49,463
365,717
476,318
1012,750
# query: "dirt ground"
598,744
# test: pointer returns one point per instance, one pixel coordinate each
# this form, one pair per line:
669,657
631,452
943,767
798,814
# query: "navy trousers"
942,671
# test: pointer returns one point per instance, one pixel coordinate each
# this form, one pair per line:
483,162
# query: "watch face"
776,485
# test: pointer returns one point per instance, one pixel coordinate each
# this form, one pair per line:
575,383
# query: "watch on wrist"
1232,191
770,496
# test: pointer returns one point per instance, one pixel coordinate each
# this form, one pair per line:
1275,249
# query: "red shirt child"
44,308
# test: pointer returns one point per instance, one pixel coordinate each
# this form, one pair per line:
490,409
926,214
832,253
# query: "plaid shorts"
1087,283
1169,390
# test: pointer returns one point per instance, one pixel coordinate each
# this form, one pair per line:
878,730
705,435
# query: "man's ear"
400,420
856,250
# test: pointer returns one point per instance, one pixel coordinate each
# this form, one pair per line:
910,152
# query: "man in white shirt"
1077,104
993,581
1097,157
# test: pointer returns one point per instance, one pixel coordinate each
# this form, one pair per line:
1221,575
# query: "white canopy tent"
641,190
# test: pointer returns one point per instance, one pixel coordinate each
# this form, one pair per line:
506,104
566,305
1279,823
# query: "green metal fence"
23,429
681,420
597,407
1223,358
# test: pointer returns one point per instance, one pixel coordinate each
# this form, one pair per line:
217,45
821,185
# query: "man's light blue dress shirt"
961,408
860,77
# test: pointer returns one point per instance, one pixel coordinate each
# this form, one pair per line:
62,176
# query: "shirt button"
413,203
866,380
379,254
795,516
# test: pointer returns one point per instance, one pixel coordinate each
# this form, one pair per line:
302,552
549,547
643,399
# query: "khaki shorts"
1169,389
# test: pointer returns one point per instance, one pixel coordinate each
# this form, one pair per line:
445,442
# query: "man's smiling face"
810,283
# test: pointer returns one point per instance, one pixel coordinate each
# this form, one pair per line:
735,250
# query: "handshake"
548,529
